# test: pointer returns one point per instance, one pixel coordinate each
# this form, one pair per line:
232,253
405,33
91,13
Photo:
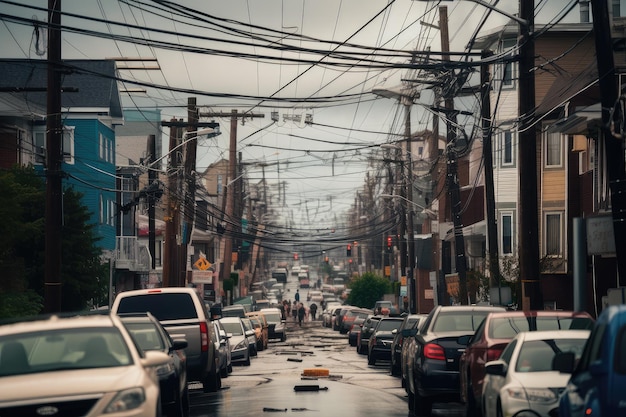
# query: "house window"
553,150
507,148
102,214
508,68
553,234
67,144
506,227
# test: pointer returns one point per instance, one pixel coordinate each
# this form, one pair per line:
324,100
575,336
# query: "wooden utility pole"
229,218
529,224
613,138
490,199
172,221
151,200
452,171
54,160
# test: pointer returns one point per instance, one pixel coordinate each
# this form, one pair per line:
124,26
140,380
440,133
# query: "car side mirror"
564,362
249,332
394,331
497,368
464,340
179,344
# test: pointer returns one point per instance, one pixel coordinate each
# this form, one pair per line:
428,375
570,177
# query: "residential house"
91,111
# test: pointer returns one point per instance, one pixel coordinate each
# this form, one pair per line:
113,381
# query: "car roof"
50,322
230,320
539,313
552,334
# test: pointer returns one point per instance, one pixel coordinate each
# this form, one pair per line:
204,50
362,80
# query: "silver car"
239,349
522,381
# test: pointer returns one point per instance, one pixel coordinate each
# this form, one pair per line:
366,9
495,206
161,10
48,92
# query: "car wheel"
213,381
371,360
176,409
411,400
423,405
471,410
283,337
186,401
499,412
230,368
224,372
394,367
253,351
247,361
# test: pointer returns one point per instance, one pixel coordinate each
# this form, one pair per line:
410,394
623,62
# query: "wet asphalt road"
266,387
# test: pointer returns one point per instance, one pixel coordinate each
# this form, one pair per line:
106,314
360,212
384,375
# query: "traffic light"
295,256
349,250
389,243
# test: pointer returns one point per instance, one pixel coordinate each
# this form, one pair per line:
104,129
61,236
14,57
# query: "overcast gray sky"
269,51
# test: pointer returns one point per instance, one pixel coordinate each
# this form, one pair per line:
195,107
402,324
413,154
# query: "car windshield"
233,328
272,317
62,349
146,336
457,321
388,325
537,355
508,327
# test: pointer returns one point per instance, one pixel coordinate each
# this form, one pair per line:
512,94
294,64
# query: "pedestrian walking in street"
301,314
297,296
313,310
294,311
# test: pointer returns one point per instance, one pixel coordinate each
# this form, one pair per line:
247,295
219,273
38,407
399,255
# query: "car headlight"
241,345
165,369
128,399
533,395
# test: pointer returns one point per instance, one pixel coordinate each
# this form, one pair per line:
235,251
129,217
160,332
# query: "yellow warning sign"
202,264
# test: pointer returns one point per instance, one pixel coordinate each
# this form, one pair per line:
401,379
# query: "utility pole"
229,218
189,206
613,140
410,234
529,225
151,200
490,199
54,160
452,167
170,260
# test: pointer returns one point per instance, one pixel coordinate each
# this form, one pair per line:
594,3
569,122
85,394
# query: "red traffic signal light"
349,250
295,256
389,243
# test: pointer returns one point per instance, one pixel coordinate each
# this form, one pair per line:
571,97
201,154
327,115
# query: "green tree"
84,277
367,289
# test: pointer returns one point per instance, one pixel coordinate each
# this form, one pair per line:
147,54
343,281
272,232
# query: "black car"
434,372
363,337
411,321
149,334
353,334
379,344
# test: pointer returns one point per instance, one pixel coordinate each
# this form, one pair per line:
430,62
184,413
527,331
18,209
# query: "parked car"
409,322
250,335
523,381
339,315
149,335
596,385
50,362
276,325
350,316
379,344
222,349
434,372
493,335
363,337
235,310
329,313
184,315
355,329
239,350
261,328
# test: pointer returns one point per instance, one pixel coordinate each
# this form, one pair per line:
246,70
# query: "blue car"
596,387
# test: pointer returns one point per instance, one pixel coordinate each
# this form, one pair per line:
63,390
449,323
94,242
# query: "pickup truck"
596,386
182,313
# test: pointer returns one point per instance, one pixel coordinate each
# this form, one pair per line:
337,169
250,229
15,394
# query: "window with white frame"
67,144
553,234
553,150
506,233
507,148
507,69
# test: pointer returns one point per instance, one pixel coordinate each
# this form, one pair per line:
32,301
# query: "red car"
492,336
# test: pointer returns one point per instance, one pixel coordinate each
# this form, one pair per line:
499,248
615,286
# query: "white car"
87,364
238,338
522,381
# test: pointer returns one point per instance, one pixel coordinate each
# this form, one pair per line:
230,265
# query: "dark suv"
434,373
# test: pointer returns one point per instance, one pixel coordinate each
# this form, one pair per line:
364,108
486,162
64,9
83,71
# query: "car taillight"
493,354
204,336
434,351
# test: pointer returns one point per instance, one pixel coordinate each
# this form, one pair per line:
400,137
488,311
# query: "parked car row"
496,362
